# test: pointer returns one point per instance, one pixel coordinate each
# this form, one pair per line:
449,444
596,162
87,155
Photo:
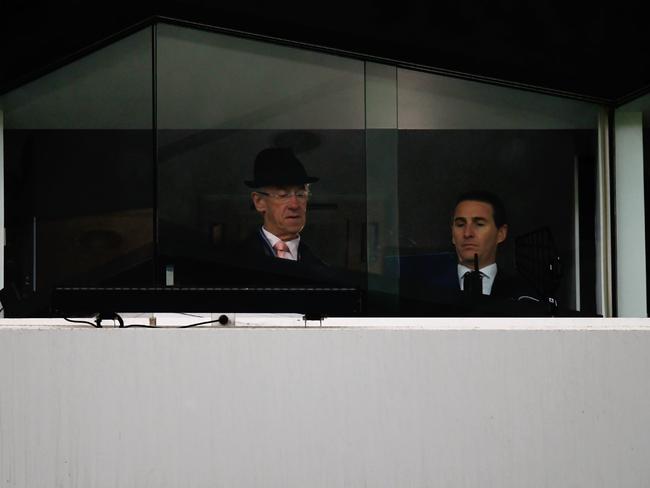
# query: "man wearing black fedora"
280,192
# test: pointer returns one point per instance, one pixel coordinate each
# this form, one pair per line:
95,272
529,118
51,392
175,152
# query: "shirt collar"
489,273
293,243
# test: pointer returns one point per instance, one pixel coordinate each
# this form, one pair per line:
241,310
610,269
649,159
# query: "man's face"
473,231
283,217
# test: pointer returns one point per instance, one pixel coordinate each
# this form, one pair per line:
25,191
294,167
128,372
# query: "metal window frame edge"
605,216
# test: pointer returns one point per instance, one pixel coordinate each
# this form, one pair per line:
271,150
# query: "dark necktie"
472,283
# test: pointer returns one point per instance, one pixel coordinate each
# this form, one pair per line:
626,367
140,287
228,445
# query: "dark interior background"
531,170
79,209
599,53
204,205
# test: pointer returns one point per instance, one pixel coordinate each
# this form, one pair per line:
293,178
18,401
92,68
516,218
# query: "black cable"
101,316
220,320
96,326
144,326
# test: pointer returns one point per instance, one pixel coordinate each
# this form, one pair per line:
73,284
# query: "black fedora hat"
278,166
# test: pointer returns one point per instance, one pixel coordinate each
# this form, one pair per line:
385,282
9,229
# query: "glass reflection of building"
133,158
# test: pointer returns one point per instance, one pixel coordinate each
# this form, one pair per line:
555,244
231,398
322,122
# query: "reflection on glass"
79,172
392,150
221,102
206,208
536,153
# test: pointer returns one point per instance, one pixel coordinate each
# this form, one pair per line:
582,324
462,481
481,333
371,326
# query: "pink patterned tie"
282,250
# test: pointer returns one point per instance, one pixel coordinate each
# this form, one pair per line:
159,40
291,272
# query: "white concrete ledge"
360,402
171,320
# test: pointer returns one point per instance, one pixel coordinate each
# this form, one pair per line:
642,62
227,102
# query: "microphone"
472,284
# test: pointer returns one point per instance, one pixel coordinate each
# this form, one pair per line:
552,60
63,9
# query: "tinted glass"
536,153
79,173
221,101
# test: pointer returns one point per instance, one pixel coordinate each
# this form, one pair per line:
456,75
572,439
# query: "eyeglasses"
285,196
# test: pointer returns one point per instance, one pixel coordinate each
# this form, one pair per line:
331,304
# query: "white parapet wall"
419,403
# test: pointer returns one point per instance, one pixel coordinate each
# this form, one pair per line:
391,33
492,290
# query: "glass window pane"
78,173
382,186
537,153
221,101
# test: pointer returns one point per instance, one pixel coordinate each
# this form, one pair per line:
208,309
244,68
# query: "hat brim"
261,183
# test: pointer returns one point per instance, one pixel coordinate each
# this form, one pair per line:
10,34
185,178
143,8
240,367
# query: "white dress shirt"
292,244
489,273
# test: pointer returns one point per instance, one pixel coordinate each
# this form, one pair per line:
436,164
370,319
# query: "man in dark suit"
273,269
478,227
281,189
468,281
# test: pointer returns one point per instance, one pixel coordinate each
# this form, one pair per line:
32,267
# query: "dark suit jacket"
248,263
257,265
512,287
256,246
429,286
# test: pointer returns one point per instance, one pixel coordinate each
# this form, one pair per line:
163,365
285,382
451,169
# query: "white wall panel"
324,407
630,216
